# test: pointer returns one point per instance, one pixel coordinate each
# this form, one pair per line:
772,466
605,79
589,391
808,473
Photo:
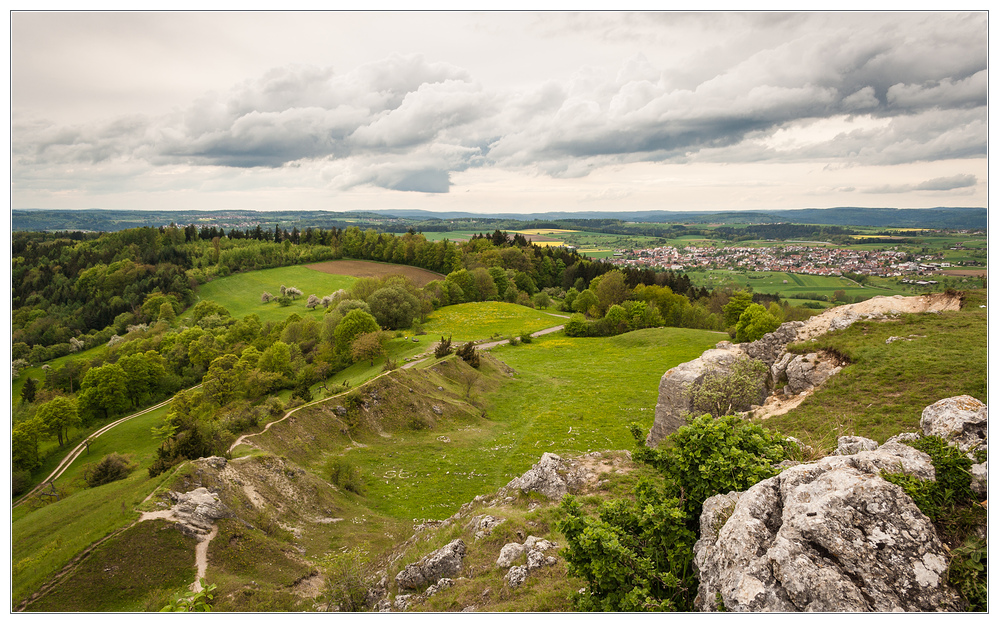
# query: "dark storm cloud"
404,123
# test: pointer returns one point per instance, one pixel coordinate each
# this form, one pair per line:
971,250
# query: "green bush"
344,588
345,475
637,554
721,394
469,353
112,467
443,347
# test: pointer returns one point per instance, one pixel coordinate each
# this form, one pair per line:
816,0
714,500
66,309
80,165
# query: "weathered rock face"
805,372
445,562
827,536
674,388
552,477
849,445
771,347
509,554
964,420
197,510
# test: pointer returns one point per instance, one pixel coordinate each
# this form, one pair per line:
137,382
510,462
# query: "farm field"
476,321
367,268
240,293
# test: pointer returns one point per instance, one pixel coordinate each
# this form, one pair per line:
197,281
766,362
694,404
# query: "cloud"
405,123
948,183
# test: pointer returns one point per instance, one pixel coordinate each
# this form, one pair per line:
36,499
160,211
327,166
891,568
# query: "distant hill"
400,220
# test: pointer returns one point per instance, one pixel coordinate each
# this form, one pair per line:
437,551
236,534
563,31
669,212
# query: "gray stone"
516,576
771,347
805,372
907,436
444,562
196,511
440,585
483,525
402,602
509,554
980,479
964,420
552,477
675,386
537,559
537,543
850,445
827,536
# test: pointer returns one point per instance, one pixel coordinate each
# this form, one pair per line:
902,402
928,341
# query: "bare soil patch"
539,238
965,272
363,268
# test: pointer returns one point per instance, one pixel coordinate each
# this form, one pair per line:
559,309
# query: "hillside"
377,477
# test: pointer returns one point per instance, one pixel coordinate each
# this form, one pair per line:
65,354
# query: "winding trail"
76,452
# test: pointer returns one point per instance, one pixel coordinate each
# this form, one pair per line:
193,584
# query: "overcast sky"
498,112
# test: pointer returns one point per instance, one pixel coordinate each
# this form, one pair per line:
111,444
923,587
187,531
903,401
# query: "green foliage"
754,323
736,305
708,456
112,467
576,326
443,347
969,574
469,353
193,601
393,307
637,555
720,394
354,323
58,416
345,475
344,588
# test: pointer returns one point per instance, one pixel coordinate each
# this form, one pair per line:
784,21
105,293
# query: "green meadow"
477,321
240,293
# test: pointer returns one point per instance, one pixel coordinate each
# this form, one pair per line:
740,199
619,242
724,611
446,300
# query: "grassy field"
885,388
477,321
38,374
240,293
567,395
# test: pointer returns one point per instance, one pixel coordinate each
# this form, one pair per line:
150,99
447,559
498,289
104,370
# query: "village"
787,258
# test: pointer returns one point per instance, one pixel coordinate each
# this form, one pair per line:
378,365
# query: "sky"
499,112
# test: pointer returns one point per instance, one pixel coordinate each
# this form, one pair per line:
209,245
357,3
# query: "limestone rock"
849,445
980,479
444,562
771,347
552,477
674,389
484,525
537,543
402,602
826,536
442,584
537,559
805,372
510,553
516,576
197,510
964,420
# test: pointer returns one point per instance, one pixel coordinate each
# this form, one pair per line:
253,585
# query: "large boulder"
675,387
446,562
850,445
196,511
827,536
963,420
805,372
552,476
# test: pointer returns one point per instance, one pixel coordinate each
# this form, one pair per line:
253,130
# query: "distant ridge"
114,220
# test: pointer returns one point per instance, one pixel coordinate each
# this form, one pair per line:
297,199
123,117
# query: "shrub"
720,394
113,467
199,601
20,481
469,353
344,588
345,475
638,554
526,338
443,347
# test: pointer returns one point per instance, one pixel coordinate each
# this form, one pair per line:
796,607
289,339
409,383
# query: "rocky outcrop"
535,547
827,536
805,372
446,562
849,445
772,346
483,525
963,420
552,477
196,511
676,385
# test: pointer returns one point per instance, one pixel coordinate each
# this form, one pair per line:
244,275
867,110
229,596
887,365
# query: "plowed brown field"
363,268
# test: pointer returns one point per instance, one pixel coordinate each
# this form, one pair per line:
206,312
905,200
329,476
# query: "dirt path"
76,452
201,558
